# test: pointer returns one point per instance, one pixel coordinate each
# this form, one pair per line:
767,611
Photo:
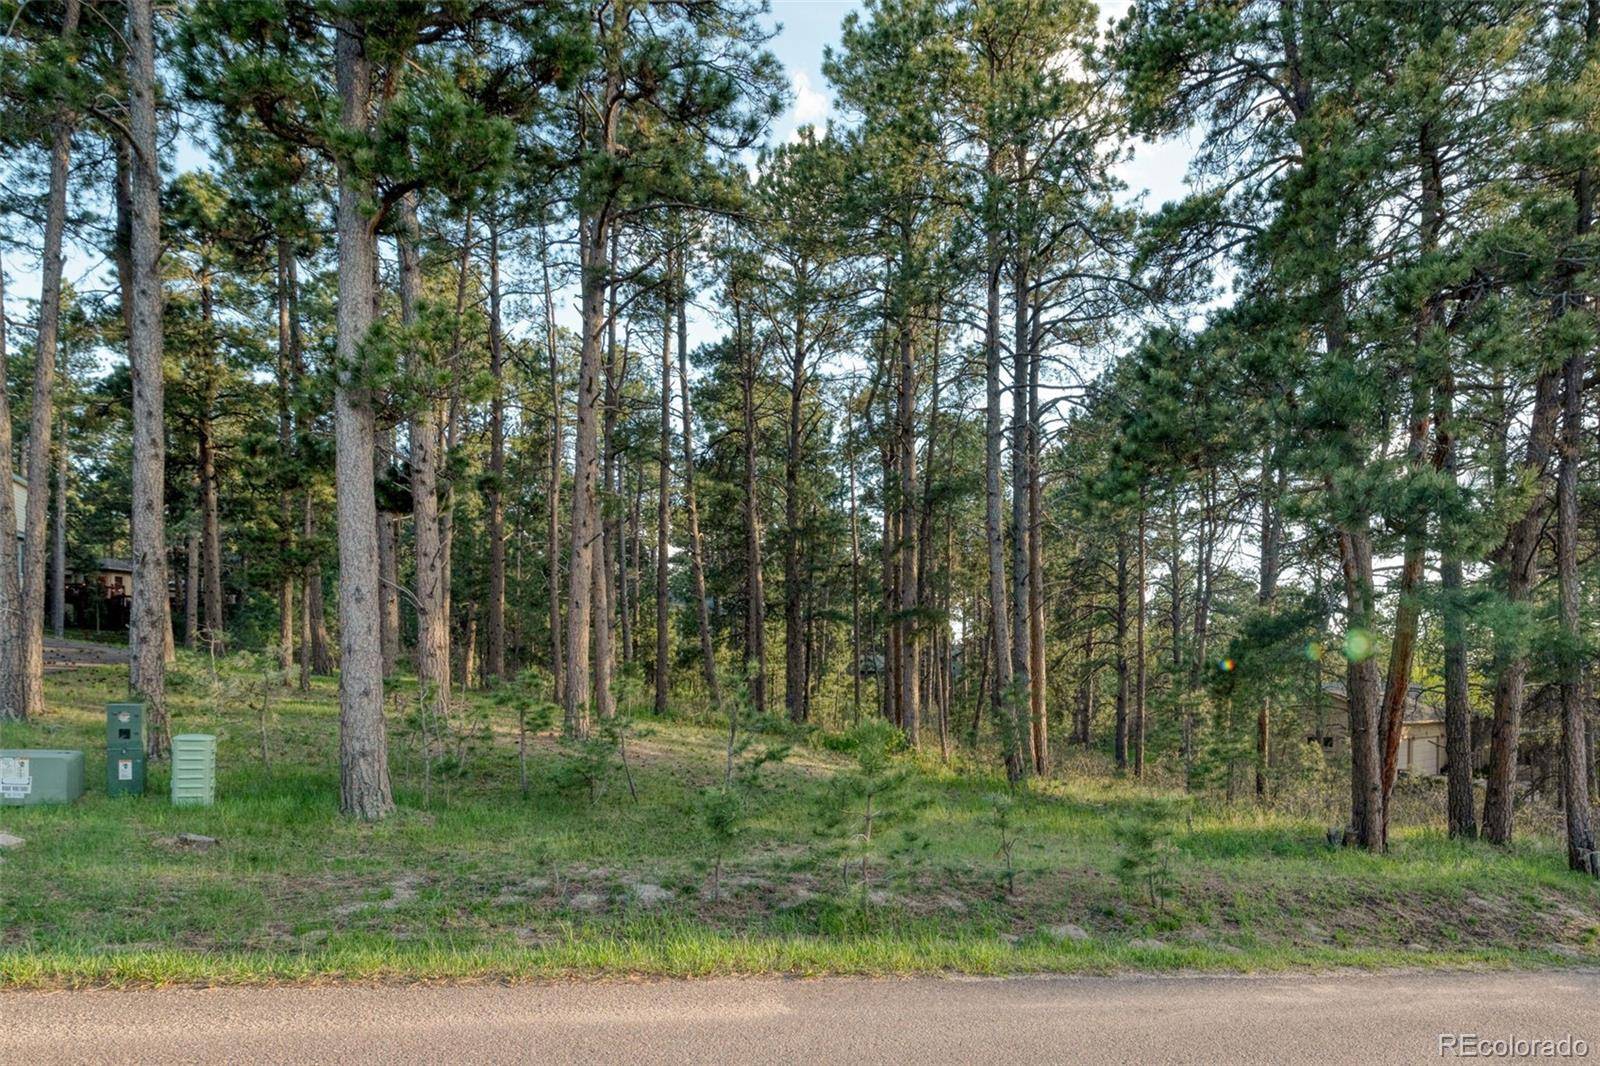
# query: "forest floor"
473,879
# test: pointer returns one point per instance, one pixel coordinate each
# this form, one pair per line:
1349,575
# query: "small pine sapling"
723,808
1147,855
864,803
591,760
1003,816
528,694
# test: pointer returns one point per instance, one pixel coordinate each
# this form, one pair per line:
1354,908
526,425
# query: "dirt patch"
648,895
402,890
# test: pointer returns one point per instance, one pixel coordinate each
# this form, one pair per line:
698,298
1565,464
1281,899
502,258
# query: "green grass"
482,882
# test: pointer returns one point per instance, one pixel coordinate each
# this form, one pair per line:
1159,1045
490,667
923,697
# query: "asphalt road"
1149,1020
70,654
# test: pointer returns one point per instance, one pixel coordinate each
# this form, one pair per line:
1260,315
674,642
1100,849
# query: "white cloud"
810,105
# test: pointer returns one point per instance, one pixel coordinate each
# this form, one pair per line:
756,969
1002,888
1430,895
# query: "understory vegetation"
472,878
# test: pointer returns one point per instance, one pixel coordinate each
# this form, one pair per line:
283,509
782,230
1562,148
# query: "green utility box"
125,757
125,725
194,770
30,776
125,772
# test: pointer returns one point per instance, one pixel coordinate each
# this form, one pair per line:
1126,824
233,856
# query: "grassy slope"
486,883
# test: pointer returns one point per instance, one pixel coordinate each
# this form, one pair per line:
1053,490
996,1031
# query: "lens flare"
1358,645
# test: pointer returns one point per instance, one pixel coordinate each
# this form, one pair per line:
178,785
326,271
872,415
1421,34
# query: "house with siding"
1422,751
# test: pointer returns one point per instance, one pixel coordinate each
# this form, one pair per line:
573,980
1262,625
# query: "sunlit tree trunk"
604,612
794,660
388,535
1271,536
286,519
855,574
553,512
1518,561
585,537
663,663
191,591
1036,612
149,623
58,550
1136,726
691,508
1581,853
10,585
364,790
30,687
1021,688
433,654
755,585
1460,808
1120,739
494,661
212,622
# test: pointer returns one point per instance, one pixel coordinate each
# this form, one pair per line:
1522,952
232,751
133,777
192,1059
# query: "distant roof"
1419,708
18,479
124,566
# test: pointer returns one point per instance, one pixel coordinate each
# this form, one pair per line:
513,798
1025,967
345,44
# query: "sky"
806,29
809,26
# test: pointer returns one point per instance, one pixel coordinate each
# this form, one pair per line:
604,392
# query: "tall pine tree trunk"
755,585
364,790
1407,615
708,658
1086,689
58,548
855,573
627,556
10,585
1362,690
663,663
994,520
1460,813
1136,728
1266,594
1120,741
1021,614
794,661
191,590
1575,755
30,688
605,585
212,624
1036,666
433,654
494,661
388,534
910,699
149,622
313,626
320,642
286,518
552,540
1518,562
585,536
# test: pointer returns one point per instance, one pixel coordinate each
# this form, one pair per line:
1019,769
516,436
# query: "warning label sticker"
124,769
16,779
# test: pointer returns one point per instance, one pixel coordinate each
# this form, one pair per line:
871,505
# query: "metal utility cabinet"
30,776
125,757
